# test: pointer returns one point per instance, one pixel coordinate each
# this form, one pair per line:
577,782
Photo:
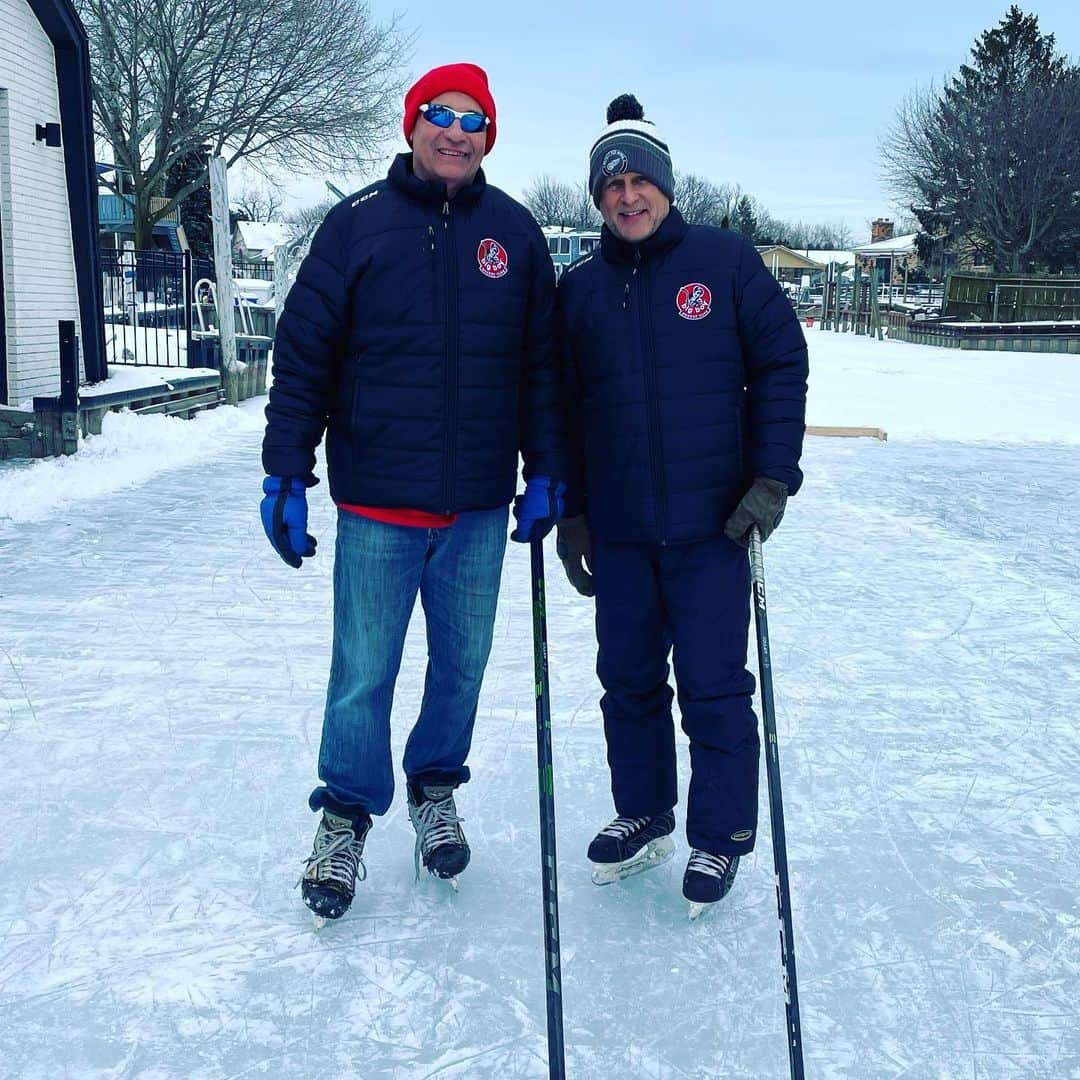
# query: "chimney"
881,229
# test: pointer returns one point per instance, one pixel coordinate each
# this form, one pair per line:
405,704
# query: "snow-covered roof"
766,250
826,256
262,235
567,230
898,245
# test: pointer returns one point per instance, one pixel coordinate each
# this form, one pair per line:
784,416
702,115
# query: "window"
588,243
553,245
564,245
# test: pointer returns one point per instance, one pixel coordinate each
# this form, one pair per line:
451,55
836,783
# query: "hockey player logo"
492,257
615,163
694,301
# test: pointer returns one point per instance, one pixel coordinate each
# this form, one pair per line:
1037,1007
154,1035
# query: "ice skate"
440,842
708,878
630,846
331,870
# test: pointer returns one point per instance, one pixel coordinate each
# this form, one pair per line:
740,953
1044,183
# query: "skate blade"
697,909
319,921
653,854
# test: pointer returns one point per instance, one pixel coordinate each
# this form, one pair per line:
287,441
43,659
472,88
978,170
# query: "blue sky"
789,100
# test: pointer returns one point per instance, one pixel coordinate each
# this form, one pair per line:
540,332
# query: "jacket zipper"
652,405
450,367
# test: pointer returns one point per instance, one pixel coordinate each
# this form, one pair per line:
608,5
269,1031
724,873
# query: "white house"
254,241
48,199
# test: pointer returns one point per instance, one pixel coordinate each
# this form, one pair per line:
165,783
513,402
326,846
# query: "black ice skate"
440,842
629,846
329,878
708,878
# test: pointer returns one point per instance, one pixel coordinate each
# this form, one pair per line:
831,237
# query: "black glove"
763,506
575,549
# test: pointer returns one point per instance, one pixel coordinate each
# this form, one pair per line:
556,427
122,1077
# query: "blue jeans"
378,571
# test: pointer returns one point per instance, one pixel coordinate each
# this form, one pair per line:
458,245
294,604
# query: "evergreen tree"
195,210
744,219
993,160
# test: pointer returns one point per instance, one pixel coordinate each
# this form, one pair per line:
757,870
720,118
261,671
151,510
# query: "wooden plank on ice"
849,432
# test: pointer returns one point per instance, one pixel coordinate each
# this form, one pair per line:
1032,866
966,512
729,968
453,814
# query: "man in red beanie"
418,338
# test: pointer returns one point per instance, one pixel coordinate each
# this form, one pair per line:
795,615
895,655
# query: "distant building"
566,245
254,241
893,257
787,265
116,213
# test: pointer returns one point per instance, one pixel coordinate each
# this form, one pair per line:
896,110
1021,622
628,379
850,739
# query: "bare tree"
555,202
311,86
700,201
303,222
257,201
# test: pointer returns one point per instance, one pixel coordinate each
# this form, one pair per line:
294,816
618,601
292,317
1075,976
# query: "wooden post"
219,197
281,279
68,401
856,298
875,308
836,297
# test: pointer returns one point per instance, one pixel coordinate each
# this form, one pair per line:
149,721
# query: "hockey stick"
546,778
776,811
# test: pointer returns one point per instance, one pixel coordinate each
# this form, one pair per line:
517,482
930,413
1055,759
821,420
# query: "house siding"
39,262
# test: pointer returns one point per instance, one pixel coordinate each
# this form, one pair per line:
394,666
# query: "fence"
1011,298
146,307
261,269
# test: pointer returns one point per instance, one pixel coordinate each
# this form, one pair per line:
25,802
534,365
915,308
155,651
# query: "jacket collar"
433,192
672,230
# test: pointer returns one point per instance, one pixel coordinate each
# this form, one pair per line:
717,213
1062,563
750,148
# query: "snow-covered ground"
161,682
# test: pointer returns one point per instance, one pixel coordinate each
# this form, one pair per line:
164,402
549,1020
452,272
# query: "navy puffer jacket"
686,373
419,336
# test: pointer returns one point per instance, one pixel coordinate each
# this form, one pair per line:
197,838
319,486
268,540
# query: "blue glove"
538,509
284,517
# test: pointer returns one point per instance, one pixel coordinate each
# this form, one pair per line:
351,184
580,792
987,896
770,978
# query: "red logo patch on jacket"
694,301
492,257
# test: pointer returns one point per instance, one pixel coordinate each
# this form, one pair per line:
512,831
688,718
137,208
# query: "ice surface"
161,684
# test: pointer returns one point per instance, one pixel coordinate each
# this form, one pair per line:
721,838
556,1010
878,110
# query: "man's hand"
575,549
285,515
538,509
763,506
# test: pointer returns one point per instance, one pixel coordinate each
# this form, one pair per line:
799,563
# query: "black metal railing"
146,307
262,269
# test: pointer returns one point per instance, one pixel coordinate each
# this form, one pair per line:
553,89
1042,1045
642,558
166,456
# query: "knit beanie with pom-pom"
630,143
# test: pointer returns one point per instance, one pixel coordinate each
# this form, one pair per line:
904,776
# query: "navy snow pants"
692,600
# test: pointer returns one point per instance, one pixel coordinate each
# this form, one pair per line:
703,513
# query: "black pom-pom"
625,107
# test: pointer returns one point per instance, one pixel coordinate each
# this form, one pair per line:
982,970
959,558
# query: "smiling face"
632,207
448,154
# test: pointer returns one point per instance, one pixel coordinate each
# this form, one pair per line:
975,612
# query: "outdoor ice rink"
161,684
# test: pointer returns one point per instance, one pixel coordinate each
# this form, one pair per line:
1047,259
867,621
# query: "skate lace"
622,827
702,862
436,822
337,856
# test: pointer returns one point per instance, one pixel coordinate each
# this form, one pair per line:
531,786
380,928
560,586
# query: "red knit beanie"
465,79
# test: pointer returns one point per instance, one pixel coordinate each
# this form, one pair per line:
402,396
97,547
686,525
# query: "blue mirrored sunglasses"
443,116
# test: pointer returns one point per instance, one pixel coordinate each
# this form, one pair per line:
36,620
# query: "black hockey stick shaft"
776,810
546,774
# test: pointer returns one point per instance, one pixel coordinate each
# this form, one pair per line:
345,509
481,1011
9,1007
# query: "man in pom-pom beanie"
418,336
686,369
